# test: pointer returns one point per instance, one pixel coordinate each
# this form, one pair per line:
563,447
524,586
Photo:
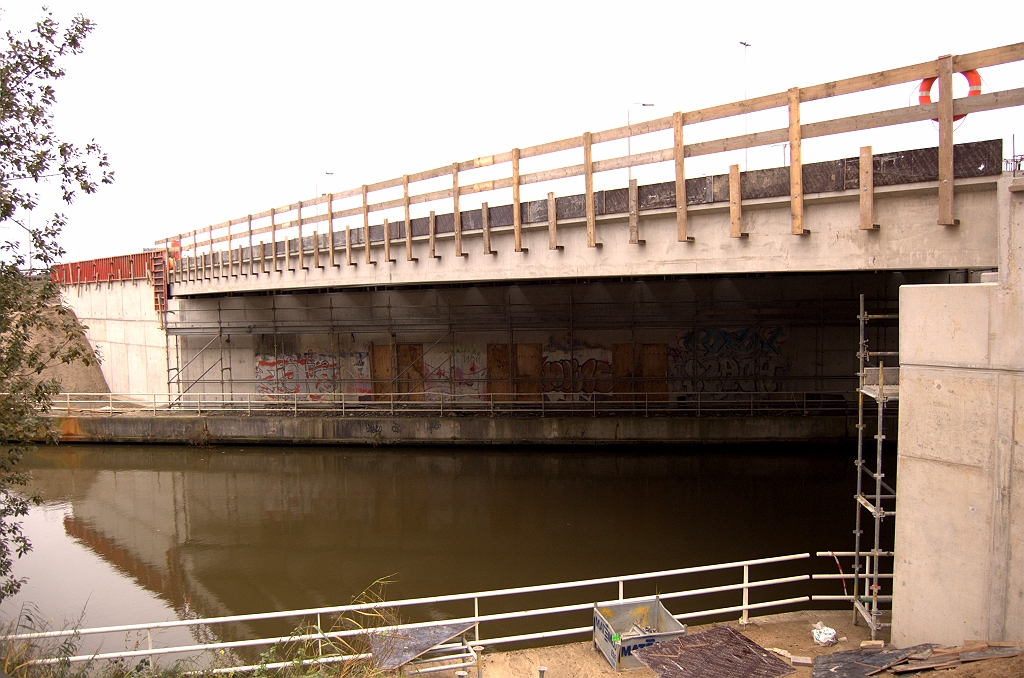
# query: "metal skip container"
621,628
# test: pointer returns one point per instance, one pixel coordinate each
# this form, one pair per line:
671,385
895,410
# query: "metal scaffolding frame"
882,386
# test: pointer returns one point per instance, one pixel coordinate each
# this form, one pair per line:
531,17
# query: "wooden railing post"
553,223
633,205
485,223
408,219
432,232
946,142
588,175
796,172
735,203
330,227
678,153
387,242
366,227
517,215
348,247
273,239
456,214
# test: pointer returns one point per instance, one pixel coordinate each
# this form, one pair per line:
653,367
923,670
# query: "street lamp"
629,135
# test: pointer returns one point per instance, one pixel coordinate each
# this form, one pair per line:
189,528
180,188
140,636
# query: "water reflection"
228,531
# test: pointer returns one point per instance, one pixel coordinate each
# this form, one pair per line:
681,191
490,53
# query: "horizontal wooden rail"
209,235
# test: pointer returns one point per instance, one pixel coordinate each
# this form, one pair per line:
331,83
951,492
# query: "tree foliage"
36,329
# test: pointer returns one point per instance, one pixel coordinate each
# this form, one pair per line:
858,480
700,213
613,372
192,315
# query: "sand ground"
789,631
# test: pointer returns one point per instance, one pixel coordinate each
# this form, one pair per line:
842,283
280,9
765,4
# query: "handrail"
792,98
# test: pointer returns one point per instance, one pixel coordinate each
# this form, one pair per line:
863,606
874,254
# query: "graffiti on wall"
456,370
714,359
312,372
580,374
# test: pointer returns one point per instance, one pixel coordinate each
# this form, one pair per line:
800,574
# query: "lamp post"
629,135
745,46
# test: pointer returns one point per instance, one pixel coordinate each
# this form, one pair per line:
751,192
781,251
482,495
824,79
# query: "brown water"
146,533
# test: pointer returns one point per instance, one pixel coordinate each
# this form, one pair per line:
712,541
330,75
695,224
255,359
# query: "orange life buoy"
924,92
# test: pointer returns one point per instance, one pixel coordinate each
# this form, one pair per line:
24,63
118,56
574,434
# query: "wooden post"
302,247
517,217
553,223
408,219
432,229
213,272
588,174
366,227
456,214
796,172
946,142
735,204
678,152
387,242
330,227
233,274
867,190
231,268
250,247
634,213
485,222
316,249
273,239
348,246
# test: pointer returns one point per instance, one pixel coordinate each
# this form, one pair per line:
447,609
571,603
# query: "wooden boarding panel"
654,370
529,363
499,371
622,371
410,371
382,370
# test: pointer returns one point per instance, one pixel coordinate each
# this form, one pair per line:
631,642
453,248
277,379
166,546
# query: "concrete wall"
959,568
909,238
125,331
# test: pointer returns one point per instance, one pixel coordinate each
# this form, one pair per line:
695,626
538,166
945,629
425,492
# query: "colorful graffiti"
577,373
458,370
311,372
721,359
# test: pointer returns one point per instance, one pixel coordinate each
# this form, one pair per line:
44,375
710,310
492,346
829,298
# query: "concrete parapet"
278,430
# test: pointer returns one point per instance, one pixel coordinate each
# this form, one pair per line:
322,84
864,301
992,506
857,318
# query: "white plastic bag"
823,635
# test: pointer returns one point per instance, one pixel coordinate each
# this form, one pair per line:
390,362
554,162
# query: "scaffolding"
882,386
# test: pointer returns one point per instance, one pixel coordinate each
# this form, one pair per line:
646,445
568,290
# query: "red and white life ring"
924,92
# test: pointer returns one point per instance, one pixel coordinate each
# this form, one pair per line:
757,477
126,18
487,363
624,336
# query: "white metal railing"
740,569
441,404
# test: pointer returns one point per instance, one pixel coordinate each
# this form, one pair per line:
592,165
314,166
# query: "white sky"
213,110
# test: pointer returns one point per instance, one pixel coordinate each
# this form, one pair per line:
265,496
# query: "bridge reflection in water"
221,531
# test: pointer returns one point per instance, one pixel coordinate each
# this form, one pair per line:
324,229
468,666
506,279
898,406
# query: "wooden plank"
735,203
989,57
636,129
754,105
588,174
273,239
366,228
301,245
387,242
288,253
553,223
551,174
551,147
945,65
330,228
678,153
409,380
860,83
517,217
408,219
623,369
654,369
635,160
231,269
485,222
634,213
348,246
796,168
456,214
867,190
382,371
432,225
213,272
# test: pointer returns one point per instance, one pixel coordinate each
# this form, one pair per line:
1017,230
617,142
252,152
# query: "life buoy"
924,92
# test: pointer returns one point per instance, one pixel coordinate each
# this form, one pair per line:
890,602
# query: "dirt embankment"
76,377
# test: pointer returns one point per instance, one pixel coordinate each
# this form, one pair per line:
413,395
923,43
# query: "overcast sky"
213,110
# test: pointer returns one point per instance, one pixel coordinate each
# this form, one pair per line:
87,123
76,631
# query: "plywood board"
499,370
529,364
382,370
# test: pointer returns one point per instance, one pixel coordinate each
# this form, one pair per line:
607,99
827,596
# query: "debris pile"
870,661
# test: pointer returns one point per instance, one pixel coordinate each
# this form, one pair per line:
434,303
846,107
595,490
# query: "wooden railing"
943,111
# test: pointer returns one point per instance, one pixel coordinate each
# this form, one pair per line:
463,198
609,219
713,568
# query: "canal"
147,533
